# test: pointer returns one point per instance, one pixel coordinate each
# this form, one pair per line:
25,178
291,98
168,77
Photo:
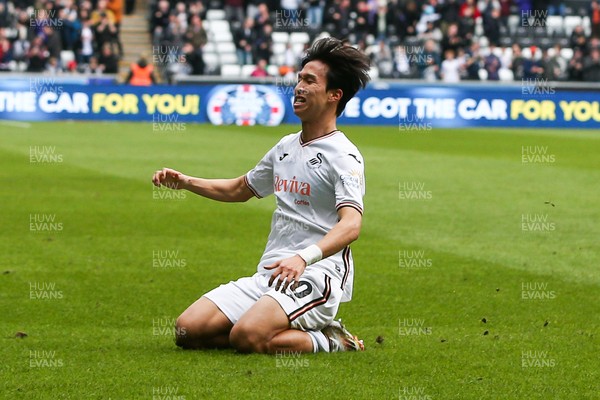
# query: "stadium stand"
448,40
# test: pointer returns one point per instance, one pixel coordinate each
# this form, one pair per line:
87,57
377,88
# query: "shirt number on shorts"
304,289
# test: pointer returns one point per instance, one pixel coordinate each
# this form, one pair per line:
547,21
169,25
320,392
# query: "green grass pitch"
478,270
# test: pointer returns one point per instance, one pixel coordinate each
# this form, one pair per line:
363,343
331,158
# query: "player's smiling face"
311,97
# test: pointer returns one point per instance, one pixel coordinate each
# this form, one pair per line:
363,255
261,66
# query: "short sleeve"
260,178
348,174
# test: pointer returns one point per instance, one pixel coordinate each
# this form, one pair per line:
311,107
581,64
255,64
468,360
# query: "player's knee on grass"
181,332
246,339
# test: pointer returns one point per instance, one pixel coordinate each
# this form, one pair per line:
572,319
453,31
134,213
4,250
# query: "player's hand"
169,178
287,271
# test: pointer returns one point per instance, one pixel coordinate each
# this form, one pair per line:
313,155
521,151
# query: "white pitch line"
16,124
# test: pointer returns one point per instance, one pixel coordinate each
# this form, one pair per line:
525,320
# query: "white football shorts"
311,306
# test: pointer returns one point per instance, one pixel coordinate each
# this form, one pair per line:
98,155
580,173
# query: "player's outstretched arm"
227,190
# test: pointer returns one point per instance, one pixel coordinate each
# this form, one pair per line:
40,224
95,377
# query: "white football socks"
320,341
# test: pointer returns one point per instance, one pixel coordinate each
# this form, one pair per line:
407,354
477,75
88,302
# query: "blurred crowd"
62,35
427,39
414,39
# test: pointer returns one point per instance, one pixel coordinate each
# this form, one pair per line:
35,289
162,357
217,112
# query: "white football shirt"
311,182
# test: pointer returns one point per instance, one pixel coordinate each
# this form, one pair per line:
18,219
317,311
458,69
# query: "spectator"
467,24
556,7
431,32
264,44
591,66
361,22
450,68
87,42
6,53
381,56
578,39
116,6
244,38
4,16
52,67
160,18
491,25
402,64
37,56
469,10
473,61
262,17
182,15
234,10
52,42
92,67
505,12
395,20
21,43
173,35
141,73
412,16
338,15
575,68
109,62
315,13
196,34
261,69
560,61
193,59
429,63
428,15
550,66
449,13
105,31
532,68
102,11
518,63
491,63
595,18
452,40
71,27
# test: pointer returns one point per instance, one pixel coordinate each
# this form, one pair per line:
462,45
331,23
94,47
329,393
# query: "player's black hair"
348,67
